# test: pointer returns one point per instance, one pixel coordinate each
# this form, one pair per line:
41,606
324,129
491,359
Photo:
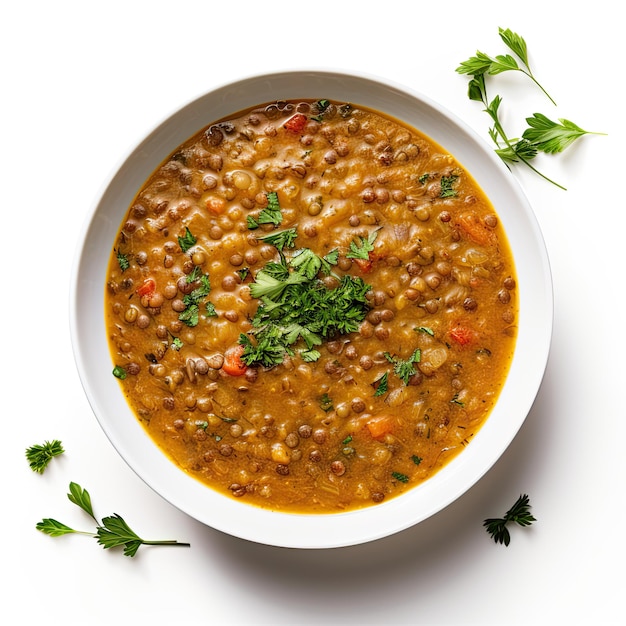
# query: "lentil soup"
311,307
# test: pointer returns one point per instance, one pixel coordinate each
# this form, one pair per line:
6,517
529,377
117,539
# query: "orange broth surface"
311,307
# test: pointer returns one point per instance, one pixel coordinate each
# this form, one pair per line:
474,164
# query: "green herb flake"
122,260
326,404
416,459
311,355
281,239
381,385
403,478
361,248
321,106
455,400
119,372
177,343
404,369
187,241
425,330
271,214
447,186
191,314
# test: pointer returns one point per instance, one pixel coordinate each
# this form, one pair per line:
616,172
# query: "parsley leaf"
326,404
187,241
404,369
447,186
361,249
310,264
381,385
271,214
551,137
282,238
403,478
191,315
122,260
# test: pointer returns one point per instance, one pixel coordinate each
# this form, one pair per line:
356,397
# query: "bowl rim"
315,530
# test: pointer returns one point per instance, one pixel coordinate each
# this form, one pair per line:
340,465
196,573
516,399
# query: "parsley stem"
492,112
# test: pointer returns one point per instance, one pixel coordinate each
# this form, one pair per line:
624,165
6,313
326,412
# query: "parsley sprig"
543,135
111,532
519,513
40,455
484,64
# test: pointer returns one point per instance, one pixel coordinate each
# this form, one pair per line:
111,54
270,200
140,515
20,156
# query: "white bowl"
230,515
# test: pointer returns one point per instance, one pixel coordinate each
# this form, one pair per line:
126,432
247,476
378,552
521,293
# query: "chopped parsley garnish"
271,214
281,238
310,355
187,241
403,478
322,105
361,249
447,186
191,315
382,385
177,344
326,403
405,369
456,400
416,459
122,260
119,372
310,264
424,329
296,305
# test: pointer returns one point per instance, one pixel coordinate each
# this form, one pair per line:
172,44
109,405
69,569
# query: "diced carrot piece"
462,335
233,364
215,204
365,265
471,225
148,287
380,426
296,123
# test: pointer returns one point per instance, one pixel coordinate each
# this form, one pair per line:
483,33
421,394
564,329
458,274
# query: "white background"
80,83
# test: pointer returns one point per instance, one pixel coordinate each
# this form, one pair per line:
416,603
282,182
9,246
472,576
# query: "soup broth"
311,307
